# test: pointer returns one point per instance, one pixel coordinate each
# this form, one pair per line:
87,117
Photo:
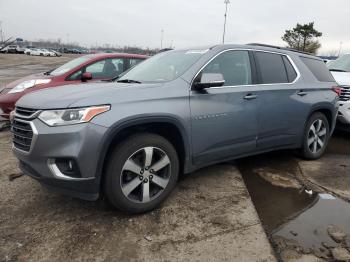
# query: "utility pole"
161,39
223,36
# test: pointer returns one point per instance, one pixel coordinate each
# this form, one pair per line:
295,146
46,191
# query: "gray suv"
174,113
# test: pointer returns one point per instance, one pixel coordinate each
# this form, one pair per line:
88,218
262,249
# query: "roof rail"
282,48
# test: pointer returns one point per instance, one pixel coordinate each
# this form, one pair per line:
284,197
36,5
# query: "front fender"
116,128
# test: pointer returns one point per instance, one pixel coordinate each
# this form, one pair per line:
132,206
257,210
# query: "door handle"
250,97
302,93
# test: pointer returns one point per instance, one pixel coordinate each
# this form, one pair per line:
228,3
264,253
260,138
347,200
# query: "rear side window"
318,69
272,68
291,74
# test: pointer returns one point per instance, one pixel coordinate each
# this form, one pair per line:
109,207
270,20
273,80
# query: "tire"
315,143
135,198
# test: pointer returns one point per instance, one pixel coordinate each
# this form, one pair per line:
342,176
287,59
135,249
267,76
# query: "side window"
272,68
134,61
75,76
234,66
290,69
118,67
318,69
96,69
103,69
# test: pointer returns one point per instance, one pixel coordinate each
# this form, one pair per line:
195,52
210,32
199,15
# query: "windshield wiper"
337,70
112,79
130,81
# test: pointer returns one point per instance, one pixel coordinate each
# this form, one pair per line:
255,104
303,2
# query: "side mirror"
208,80
86,76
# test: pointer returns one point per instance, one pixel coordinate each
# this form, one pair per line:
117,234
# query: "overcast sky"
185,23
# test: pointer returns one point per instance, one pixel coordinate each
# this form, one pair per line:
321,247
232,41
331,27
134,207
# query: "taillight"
337,90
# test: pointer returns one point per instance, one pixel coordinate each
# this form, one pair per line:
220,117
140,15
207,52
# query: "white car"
39,52
47,52
34,51
340,69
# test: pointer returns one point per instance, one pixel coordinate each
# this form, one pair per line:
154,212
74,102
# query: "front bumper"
344,112
80,143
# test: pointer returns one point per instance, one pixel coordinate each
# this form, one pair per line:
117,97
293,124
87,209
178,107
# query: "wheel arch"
328,110
168,127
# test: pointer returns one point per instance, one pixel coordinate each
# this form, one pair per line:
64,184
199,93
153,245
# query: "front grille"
25,112
345,93
22,134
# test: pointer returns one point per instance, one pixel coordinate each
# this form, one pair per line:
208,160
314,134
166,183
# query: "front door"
224,119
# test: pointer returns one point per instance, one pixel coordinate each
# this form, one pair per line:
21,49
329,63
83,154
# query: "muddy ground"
209,217
297,200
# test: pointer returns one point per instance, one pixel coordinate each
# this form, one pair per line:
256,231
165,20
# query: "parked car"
340,69
33,51
12,49
3,49
57,53
48,52
82,69
176,112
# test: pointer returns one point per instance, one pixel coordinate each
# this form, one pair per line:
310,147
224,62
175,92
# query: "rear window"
318,69
272,68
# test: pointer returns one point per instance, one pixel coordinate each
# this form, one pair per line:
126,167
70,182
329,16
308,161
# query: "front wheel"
141,173
316,136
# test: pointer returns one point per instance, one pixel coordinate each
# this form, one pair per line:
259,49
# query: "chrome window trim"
255,50
35,135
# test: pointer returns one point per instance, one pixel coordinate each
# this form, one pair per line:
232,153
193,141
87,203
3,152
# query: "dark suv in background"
174,113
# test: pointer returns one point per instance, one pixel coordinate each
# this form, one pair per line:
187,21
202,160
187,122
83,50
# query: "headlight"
71,116
28,84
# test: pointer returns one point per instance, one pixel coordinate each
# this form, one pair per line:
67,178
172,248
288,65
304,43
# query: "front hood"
86,95
30,77
342,78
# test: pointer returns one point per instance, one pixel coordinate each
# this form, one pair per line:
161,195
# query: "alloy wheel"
317,136
145,174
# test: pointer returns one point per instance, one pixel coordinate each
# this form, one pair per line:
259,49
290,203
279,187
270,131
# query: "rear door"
283,109
224,119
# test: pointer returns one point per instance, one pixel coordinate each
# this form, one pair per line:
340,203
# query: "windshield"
341,64
68,66
163,67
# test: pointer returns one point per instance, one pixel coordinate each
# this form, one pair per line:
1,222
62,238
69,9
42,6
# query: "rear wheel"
316,136
141,173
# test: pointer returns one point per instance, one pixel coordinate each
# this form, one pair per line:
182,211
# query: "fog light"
68,167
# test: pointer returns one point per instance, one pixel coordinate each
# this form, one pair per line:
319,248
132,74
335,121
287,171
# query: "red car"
93,67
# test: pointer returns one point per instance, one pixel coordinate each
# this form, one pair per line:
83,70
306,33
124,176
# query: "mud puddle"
299,218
